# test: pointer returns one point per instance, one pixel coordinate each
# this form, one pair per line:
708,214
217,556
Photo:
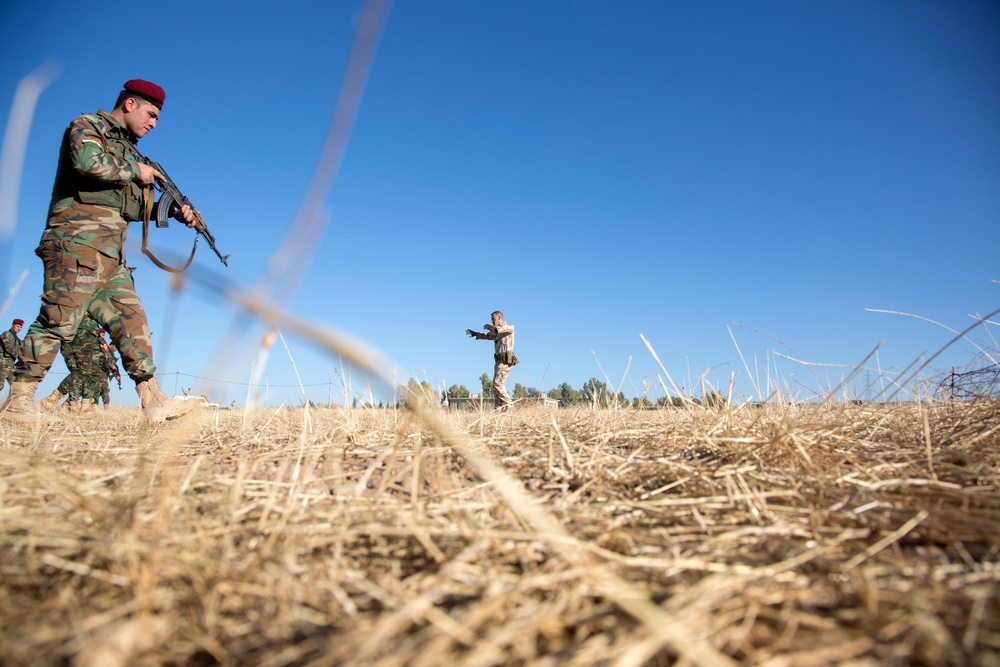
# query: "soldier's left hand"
472,334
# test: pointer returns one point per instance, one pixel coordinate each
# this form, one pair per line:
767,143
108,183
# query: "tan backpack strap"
148,194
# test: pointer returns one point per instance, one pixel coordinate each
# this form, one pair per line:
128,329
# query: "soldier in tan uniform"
502,335
101,185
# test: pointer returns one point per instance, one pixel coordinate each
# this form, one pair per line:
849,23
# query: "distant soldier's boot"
157,406
50,403
72,405
20,405
87,405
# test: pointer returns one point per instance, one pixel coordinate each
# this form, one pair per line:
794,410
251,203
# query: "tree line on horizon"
593,393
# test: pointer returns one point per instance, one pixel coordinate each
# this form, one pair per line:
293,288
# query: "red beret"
18,321
101,331
147,89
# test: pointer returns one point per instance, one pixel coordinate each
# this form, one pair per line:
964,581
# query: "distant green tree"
595,393
404,391
534,393
715,400
519,391
414,391
641,403
564,393
487,383
672,402
458,391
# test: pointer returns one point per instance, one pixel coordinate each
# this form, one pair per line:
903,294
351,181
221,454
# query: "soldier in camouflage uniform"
79,357
95,386
10,348
109,369
92,376
502,335
98,190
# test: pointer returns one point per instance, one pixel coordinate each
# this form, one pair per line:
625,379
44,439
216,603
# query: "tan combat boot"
87,405
157,406
72,405
20,405
50,403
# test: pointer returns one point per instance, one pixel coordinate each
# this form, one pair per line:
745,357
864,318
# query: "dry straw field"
783,535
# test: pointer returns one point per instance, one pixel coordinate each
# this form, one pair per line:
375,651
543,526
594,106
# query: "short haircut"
497,312
125,94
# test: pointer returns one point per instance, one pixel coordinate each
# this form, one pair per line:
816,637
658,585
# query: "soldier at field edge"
502,335
109,369
101,185
10,348
93,378
78,355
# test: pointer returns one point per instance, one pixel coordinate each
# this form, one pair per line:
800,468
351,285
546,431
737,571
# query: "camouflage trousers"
90,386
78,280
6,372
82,385
78,354
71,385
501,398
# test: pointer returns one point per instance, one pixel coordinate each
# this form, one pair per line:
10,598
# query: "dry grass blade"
12,293
15,142
961,335
293,256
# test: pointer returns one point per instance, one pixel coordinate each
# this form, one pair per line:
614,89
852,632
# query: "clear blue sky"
596,170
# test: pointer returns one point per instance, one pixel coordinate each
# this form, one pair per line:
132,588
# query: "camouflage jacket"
502,337
10,345
95,194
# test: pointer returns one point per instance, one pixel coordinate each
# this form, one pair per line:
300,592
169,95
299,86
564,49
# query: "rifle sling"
147,195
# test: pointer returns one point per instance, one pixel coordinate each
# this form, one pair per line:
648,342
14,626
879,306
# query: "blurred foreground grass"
776,535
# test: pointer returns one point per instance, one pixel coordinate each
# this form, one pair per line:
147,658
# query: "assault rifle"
168,207
109,364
